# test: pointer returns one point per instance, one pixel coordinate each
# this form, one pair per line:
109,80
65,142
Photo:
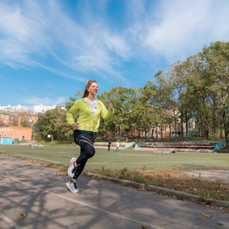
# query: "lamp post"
51,136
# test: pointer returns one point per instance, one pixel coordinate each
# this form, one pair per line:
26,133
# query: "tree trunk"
226,125
221,132
214,121
161,132
175,130
170,131
181,123
152,132
186,121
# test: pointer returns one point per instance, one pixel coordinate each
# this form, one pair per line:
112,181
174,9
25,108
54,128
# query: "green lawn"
118,160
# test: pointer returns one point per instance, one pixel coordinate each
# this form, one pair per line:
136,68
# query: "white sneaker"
72,187
71,167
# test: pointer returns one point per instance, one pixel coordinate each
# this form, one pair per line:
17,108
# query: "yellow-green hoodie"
87,121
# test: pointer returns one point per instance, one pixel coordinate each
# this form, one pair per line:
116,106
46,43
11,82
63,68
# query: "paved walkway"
209,174
36,191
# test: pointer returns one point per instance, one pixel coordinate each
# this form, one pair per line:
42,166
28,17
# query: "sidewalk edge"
157,189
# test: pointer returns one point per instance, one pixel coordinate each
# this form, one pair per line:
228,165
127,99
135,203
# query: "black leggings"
87,150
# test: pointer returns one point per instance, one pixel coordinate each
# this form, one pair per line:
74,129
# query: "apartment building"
18,108
6,118
16,132
42,109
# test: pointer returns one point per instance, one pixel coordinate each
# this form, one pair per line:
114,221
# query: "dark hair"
88,84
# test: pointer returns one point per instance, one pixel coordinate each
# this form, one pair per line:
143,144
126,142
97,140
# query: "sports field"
118,160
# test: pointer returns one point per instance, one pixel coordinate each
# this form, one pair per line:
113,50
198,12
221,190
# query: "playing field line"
9,221
38,158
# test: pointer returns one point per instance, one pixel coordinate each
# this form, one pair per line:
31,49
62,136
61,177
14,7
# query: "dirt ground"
211,182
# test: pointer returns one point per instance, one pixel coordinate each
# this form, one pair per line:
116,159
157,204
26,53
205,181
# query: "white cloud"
45,101
184,27
21,34
34,32
31,30
61,73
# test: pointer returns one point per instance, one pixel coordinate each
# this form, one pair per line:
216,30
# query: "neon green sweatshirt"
87,121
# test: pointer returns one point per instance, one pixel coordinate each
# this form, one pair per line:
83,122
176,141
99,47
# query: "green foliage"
158,182
193,90
124,174
139,178
107,172
24,122
144,167
116,138
54,123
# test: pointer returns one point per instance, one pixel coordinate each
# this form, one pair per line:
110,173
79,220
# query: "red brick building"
17,118
16,132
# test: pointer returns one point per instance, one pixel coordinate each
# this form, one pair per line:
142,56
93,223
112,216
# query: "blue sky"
49,49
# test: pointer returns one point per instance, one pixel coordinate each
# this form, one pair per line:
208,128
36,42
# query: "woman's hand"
75,126
110,105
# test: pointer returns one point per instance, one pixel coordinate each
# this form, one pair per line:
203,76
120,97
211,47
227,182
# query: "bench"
39,146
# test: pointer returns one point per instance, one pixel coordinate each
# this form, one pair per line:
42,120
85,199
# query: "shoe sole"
68,186
69,168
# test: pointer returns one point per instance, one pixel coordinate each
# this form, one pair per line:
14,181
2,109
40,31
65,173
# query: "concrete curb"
116,180
157,189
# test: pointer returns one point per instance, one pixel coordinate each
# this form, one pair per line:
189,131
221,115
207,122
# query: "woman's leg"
87,150
76,166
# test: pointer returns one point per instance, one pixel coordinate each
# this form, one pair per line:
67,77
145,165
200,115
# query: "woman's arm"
107,114
71,112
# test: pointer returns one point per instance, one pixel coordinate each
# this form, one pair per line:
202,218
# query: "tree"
216,58
24,121
123,102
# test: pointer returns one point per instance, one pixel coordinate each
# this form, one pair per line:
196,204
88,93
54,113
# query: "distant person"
117,146
90,110
109,145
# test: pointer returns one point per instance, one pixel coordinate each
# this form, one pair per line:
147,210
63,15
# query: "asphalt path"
35,196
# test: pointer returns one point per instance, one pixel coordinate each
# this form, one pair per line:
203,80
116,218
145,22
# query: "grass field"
61,155
140,166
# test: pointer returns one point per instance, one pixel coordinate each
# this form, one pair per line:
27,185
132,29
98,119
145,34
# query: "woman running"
87,124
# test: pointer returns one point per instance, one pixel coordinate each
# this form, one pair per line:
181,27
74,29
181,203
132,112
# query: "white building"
18,108
42,109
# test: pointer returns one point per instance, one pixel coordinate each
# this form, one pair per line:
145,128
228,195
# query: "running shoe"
71,168
72,187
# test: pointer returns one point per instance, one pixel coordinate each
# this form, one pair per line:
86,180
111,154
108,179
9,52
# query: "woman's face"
93,89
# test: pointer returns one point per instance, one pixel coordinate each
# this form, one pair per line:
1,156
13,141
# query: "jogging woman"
87,125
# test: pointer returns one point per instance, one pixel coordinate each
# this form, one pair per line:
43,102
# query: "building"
28,117
42,109
18,108
16,132
6,118
17,118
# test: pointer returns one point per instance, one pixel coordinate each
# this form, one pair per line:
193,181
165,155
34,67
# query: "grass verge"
173,179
